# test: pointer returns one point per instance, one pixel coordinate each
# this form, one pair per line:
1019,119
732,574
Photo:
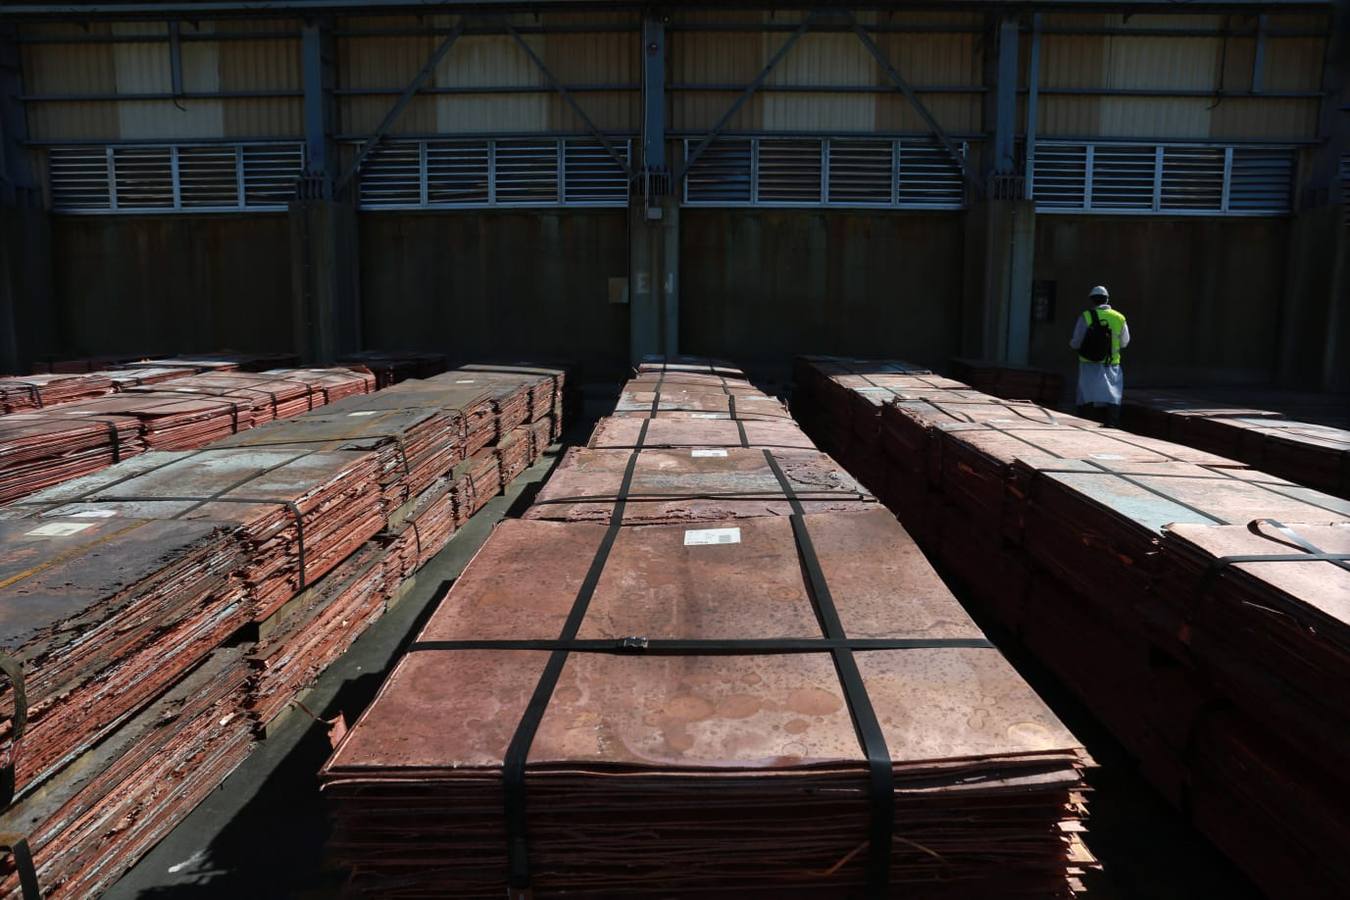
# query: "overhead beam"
209,8
316,64
1033,103
428,68
745,96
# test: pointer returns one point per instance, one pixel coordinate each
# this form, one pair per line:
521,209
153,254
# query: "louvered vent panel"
457,173
392,175
270,173
1060,172
143,177
862,172
1192,179
527,172
208,177
929,177
1122,177
789,171
79,179
1261,180
721,174
592,176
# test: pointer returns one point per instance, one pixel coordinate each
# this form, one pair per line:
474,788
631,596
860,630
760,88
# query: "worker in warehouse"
1099,335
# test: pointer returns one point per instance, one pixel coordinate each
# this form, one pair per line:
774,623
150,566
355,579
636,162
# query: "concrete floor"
262,833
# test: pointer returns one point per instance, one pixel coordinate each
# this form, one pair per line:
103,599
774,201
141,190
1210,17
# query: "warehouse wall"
171,283
474,284
1202,296
761,285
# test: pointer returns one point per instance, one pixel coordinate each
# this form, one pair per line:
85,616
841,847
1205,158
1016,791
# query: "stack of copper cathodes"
706,631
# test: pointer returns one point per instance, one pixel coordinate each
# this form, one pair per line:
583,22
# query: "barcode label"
701,536
465,380
364,412
701,453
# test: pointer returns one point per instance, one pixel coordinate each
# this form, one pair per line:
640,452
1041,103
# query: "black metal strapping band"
1309,552
517,753
17,845
645,646
1215,473
282,444
745,440
731,408
33,390
881,794
290,505
664,496
14,669
234,407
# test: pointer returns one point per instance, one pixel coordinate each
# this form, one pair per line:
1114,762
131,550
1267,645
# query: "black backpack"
1096,346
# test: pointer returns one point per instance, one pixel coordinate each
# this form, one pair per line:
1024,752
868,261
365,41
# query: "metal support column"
1315,318
653,229
325,275
27,317
1001,227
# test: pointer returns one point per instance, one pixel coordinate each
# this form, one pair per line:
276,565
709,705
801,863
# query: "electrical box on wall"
1042,301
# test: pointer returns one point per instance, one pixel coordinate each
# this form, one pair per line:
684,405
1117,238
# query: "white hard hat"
1100,291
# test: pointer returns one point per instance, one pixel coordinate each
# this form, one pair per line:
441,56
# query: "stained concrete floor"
262,833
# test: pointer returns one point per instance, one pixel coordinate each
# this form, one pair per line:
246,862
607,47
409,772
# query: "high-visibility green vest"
1114,321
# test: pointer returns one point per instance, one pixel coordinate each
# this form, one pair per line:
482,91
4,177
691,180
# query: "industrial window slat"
195,178
143,178
721,175
1174,179
207,177
457,173
270,174
860,172
1262,180
789,172
527,173
591,176
929,177
79,179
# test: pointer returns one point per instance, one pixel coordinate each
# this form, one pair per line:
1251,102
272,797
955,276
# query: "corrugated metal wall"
701,55
135,65
713,55
1155,62
574,57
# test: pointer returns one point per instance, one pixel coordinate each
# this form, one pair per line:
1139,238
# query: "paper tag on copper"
703,536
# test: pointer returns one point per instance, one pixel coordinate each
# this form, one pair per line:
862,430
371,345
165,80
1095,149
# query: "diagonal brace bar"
401,104
567,97
745,96
903,86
